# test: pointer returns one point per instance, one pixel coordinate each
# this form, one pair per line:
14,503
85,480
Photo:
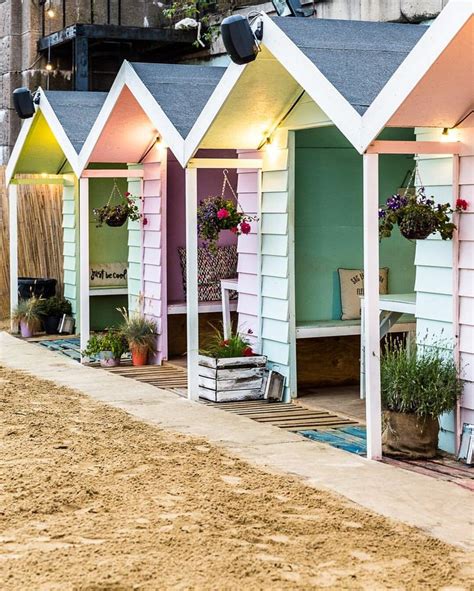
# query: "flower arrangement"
418,216
216,214
117,215
235,346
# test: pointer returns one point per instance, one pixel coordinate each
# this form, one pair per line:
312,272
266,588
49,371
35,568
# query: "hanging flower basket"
216,213
116,215
418,216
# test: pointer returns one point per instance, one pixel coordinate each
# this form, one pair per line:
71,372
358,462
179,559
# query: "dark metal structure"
91,38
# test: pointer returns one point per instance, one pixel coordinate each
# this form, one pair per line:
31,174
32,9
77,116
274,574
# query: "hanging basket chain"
115,190
225,181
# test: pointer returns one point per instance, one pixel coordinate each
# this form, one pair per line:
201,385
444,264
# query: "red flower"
247,352
461,204
250,331
223,213
145,221
234,230
245,228
127,194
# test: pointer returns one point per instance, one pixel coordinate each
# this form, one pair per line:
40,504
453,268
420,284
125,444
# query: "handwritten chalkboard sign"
108,275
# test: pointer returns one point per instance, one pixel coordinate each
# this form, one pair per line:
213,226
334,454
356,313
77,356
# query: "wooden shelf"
204,307
108,291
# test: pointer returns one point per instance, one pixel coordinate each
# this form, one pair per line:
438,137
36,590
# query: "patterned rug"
350,438
71,347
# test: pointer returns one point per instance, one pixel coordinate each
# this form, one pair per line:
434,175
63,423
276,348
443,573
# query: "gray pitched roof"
357,57
77,112
181,90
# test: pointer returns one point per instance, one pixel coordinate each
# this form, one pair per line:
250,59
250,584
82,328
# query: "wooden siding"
248,259
434,273
153,252
71,246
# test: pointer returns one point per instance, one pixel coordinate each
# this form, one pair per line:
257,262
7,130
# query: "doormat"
70,347
351,438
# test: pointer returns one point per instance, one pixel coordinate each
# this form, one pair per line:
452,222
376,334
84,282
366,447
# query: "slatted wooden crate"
235,378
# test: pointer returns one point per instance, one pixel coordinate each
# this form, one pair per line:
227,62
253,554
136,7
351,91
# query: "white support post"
84,261
13,229
192,296
371,303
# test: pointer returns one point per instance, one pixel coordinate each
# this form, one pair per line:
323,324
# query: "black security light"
291,8
24,102
240,42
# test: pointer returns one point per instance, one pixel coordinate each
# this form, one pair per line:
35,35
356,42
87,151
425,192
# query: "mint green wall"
328,219
106,245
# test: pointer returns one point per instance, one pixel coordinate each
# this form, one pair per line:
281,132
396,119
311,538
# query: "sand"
94,499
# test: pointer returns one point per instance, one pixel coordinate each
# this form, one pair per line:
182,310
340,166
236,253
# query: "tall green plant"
139,331
29,312
419,380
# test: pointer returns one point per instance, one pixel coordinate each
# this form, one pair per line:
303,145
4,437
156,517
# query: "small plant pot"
26,330
139,357
51,324
409,436
107,359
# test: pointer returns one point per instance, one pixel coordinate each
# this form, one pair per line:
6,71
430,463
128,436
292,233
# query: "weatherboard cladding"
357,57
181,91
76,112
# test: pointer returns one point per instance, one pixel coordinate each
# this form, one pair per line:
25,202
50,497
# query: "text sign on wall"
108,275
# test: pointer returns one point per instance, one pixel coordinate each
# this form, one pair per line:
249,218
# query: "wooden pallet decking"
290,417
167,376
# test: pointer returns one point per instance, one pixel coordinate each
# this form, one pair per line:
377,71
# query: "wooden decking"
290,417
167,376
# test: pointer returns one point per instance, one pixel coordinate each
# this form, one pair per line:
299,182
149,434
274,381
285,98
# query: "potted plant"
229,370
141,334
52,310
127,207
418,216
418,385
27,314
108,348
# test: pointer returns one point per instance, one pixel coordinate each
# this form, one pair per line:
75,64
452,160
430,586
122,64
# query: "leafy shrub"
111,341
55,306
419,380
235,346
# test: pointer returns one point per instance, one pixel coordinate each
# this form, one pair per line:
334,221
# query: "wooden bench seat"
204,307
342,328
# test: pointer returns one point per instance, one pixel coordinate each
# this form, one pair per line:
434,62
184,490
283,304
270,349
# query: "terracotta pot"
409,436
139,356
26,330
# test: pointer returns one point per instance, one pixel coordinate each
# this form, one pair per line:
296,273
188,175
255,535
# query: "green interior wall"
106,245
328,219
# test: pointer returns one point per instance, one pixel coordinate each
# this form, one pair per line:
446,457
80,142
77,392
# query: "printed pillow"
352,288
212,267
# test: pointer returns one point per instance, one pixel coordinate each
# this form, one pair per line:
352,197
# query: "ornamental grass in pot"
141,334
108,348
28,315
419,383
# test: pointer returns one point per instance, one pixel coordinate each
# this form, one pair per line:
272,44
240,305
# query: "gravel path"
93,499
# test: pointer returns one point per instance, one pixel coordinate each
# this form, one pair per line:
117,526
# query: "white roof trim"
128,77
58,132
417,63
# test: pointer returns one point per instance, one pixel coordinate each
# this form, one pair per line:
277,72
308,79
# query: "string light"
50,12
49,67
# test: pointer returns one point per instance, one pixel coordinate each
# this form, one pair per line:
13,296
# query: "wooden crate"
235,378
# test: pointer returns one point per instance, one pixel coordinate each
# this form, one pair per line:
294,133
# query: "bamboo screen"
40,236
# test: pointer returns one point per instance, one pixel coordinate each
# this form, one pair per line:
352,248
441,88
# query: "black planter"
37,286
51,324
117,220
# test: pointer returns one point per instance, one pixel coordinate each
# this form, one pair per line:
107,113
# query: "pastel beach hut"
324,108
45,153
139,137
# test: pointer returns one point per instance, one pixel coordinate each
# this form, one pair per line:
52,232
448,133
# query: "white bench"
203,307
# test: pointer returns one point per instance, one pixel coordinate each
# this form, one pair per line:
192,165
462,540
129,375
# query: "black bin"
37,286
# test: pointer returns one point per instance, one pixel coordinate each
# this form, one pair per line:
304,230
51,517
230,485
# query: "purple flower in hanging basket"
382,213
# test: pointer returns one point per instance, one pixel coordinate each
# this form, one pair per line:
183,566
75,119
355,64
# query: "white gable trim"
413,68
128,77
57,129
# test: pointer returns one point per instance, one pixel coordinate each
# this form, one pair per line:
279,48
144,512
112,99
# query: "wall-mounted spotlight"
24,103
240,42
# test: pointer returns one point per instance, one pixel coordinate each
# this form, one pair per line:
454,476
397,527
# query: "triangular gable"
50,144
170,95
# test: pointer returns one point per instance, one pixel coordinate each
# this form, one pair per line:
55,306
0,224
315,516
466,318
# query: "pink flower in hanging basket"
223,213
127,194
234,230
145,221
461,204
245,228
